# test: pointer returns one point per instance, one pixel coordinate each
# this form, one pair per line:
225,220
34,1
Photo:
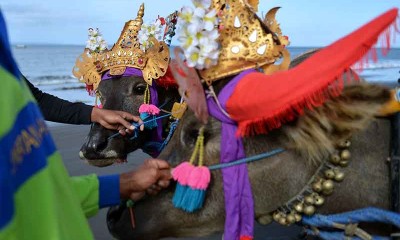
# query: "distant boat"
20,46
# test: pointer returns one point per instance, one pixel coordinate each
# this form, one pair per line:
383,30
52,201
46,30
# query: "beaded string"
146,99
199,148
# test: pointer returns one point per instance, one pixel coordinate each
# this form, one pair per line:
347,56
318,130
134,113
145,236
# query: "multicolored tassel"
192,181
148,111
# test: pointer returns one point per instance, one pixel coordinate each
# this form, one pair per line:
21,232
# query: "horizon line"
82,45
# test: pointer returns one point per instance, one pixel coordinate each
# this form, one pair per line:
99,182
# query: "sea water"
49,67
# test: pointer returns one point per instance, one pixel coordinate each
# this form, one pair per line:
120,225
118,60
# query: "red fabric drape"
263,102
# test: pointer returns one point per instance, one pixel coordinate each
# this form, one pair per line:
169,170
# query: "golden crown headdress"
243,40
150,56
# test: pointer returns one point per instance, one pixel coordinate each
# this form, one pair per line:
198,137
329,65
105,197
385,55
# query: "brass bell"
264,219
335,159
290,219
282,221
339,176
317,186
309,210
345,144
327,192
276,216
327,185
299,207
345,154
329,174
309,199
297,217
319,200
344,163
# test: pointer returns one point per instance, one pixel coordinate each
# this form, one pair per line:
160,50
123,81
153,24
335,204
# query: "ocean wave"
379,65
53,79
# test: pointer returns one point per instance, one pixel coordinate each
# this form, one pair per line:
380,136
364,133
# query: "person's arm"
58,110
96,192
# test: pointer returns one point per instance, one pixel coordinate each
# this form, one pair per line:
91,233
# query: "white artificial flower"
188,40
144,46
158,30
90,32
195,26
92,47
186,15
210,20
192,56
142,37
213,34
91,43
202,3
95,43
198,36
147,31
199,12
103,45
96,32
207,46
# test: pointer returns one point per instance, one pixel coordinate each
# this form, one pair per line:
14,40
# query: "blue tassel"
178,195
192,199
149,120
144,115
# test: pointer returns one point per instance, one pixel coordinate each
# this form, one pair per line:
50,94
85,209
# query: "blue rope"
138,125
170,133
339,235
369,214
247,159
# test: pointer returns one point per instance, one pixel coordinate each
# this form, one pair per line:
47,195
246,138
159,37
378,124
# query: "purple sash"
239,205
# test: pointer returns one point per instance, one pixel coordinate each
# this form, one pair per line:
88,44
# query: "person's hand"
115,120
150,177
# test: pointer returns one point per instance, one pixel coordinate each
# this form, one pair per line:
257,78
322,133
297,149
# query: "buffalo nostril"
97,147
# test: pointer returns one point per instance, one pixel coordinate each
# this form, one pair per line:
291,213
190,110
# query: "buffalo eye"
189,136
139,89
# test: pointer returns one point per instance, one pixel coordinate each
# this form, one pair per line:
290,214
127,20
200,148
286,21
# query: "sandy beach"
69,139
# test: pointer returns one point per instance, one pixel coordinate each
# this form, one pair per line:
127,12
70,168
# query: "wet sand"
69,139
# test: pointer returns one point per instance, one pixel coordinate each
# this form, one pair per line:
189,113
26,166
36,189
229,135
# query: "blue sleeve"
109,191
6,59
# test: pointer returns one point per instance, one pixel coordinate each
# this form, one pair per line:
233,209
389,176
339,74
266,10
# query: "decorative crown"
244,40
145,52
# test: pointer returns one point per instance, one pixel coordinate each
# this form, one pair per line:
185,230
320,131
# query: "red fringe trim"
90,90
167,81
246,238
317,98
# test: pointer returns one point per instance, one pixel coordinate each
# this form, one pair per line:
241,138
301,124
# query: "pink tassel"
182,172
199,178
149,108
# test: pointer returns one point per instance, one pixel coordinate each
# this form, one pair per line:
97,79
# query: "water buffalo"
277,179
125,94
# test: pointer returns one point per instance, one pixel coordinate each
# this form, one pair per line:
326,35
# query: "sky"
308,23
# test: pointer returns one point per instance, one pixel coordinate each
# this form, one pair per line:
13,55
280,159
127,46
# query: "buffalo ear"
190,87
